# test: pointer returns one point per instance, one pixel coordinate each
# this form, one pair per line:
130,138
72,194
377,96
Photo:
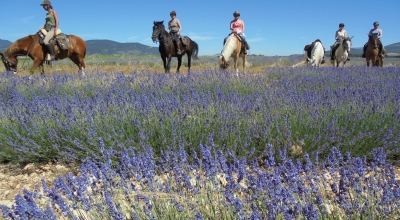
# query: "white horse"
317,55
343,51
232,48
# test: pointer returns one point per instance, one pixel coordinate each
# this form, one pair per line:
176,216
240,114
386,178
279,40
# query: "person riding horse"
50,26
237,26
309,48
174,28
340,34
378,32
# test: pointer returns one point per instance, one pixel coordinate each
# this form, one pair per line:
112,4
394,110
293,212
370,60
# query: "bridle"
10,64
158,34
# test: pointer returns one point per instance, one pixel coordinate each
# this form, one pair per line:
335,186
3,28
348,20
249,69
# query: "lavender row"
355,109
216,185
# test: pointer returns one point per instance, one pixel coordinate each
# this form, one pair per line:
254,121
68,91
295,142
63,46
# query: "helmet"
376,23
45,2
172,12
236,13
341,25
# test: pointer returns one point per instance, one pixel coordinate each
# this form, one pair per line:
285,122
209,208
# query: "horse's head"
223,64
346,42
10,63
157,29
373,40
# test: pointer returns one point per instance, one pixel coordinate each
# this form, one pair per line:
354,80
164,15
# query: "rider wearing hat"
174,28
340,34
378,32
50,26
237,26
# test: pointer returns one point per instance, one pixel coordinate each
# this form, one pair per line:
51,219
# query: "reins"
30,47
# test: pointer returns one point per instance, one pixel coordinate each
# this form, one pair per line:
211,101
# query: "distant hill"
108,47
4,44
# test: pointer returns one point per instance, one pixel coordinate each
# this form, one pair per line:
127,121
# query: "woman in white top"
340,34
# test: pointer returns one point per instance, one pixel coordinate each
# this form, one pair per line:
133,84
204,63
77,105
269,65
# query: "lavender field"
281,143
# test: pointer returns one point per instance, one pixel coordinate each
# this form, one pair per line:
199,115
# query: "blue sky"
280,27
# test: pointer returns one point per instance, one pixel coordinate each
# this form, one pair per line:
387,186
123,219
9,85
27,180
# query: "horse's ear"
351,37
154,22
162,22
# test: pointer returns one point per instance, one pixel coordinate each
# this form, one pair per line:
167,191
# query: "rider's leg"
246,45
46,42
365,47
381,50
179,45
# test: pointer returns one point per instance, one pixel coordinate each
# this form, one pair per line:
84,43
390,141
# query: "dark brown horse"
372,51
30,46
167,48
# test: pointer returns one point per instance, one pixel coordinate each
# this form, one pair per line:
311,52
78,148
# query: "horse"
343,51
232,48
372,51
167,48
30,46
317,54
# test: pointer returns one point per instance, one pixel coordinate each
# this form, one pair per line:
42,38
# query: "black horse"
167,48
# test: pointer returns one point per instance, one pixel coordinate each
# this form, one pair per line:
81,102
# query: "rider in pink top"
237,26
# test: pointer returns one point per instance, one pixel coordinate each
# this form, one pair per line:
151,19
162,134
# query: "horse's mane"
12,49
229,47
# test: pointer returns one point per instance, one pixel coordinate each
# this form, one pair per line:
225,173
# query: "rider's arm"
380,34
336,35
231,26
56,18
243,26
180,26
345,33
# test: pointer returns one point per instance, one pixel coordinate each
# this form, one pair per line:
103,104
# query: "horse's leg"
37,62
80,63
236,60
168,63
164,59
179,63
189,55
244,63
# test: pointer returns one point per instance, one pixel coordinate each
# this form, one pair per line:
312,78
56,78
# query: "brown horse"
232,48
30,46
167,48
372,51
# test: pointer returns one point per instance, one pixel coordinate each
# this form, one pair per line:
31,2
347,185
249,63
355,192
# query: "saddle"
61,40
185,40
309,47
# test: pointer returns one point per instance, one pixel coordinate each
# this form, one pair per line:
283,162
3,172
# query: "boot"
247,47
332,54
380,51
49,49
178,49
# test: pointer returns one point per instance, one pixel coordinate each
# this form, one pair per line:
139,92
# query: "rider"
340,34
237,26
174,28
50,26
379,33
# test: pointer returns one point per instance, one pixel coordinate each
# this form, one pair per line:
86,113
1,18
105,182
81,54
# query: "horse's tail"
195,51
